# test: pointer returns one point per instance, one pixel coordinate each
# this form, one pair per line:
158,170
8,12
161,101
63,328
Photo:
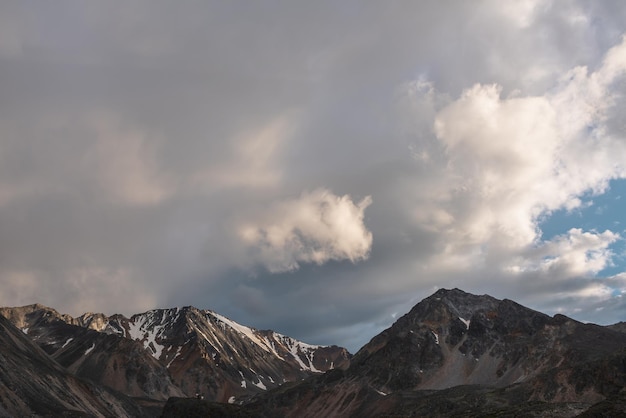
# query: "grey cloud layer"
224,155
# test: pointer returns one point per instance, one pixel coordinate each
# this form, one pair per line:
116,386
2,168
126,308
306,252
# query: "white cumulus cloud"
316,227
573,254
506,162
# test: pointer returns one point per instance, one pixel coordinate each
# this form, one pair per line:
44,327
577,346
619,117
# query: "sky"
316,168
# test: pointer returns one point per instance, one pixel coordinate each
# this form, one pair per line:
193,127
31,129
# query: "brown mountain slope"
174,352
110,360
32,384
457,354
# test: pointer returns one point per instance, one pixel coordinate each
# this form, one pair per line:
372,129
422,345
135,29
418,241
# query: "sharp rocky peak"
456,301
452,330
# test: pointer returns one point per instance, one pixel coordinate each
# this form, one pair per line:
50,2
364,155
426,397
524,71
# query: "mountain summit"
461,354
455,338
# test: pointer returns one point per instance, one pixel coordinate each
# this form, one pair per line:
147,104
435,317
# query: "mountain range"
453,354
184,352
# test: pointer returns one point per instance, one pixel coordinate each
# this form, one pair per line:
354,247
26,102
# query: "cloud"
520,13
574,254
172,161
500,154
124,163
10,43
84,288
254,160
508,162
317,227
492,164
89,284
252,300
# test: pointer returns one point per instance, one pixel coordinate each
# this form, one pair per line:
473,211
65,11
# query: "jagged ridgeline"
183,352
453,354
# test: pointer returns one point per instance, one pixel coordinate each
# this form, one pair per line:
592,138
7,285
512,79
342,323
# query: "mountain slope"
485,353
113,361
453,354
32,384
210,354
174,352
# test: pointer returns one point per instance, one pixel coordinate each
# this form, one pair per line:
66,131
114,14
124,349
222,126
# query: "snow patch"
466,322
436,337
67,342
139,330
294,352
272,346
207,339
298,348
302,353
248,332
134,331
174,358
157,348
260,385
520,379
231,399
90,349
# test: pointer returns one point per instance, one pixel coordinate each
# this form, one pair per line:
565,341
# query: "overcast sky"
313,167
